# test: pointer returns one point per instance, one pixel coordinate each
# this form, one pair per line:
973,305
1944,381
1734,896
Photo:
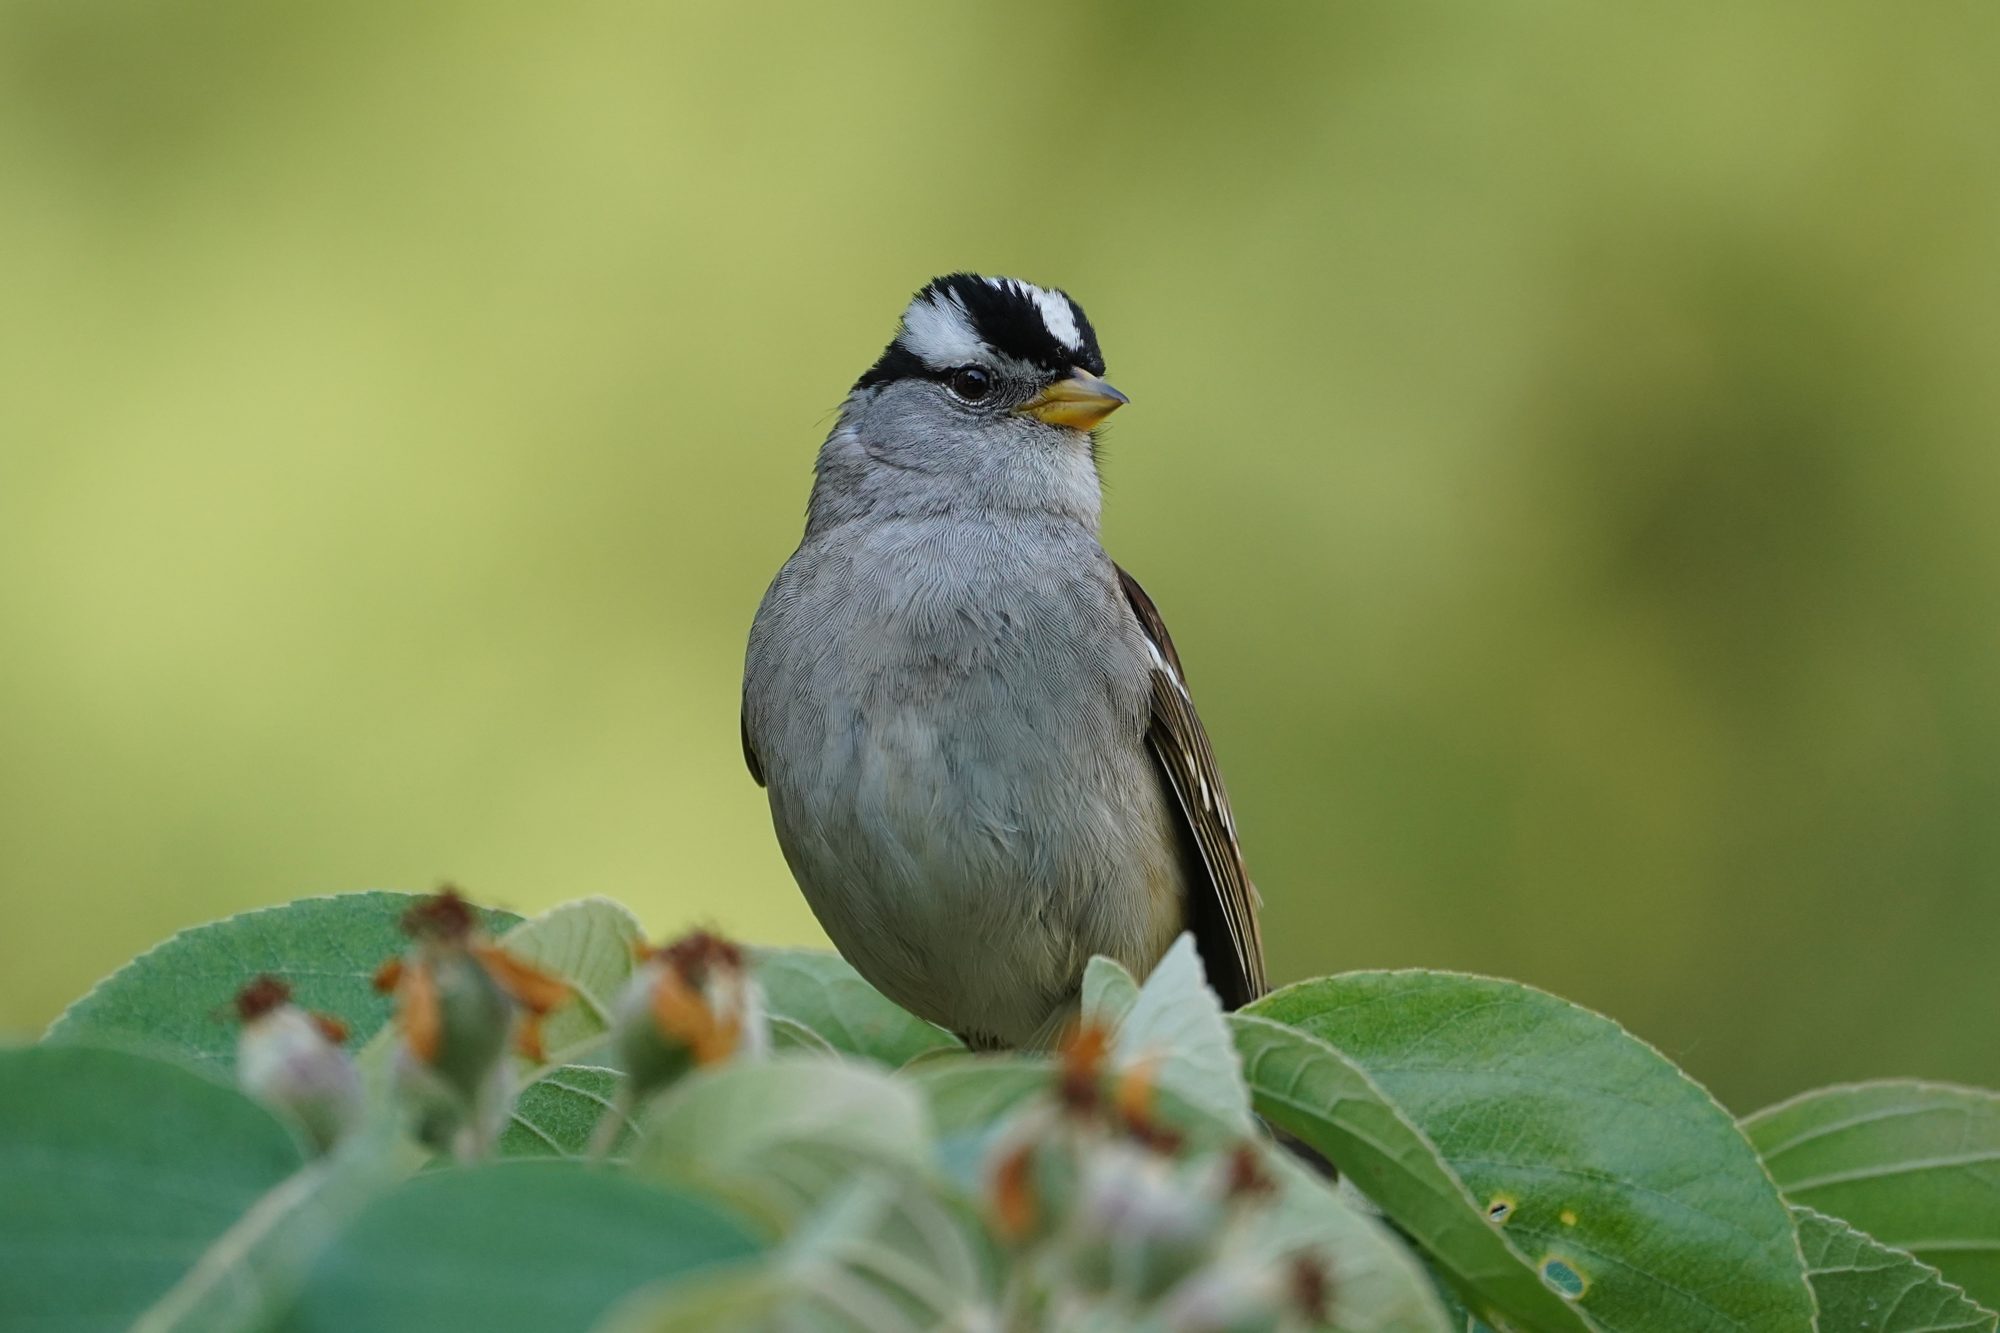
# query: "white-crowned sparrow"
980,753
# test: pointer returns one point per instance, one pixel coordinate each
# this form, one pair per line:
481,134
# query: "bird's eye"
971,383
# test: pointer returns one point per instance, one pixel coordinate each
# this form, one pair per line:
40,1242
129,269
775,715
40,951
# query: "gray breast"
950,717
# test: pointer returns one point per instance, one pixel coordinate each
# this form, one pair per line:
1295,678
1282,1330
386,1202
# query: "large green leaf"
116,1171
972,1093
1915,1165
969,1098
177,994
1864,1286
1306,1086
819,990
747,1297
778,1137
1630,1189
247,1279
883,1254
539,1247
592,944
556,1115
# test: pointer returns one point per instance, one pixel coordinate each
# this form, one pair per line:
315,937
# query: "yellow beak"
1079,402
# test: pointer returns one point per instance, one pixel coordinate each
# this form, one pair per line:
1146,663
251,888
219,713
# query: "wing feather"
1222,902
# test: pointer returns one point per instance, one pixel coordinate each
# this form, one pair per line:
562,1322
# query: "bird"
975,734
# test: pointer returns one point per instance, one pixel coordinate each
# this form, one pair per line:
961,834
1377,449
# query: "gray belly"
964,794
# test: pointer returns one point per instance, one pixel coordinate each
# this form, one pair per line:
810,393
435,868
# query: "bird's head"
991,389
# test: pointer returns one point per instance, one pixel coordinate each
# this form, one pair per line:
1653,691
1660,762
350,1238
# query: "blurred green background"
1563,440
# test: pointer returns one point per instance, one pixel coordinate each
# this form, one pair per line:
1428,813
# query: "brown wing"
1222,902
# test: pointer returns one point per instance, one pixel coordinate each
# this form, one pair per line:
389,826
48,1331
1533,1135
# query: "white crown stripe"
1054,308
1060,319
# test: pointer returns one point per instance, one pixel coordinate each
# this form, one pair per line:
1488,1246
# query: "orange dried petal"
329,1027
418,1012
533,989
681,1015
1014,1192
1082,1057
528,1038
388,975
1134,1102
1135,1092
720,1042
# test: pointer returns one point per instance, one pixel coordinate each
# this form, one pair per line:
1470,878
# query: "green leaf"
1109,992
1378,1285
777,1137
1178,1022
1306,1086
883,1254
743,1296
969,1097
818,989
116,1172
1864,1286
972,1093
1461,1320
788,1034
557,1113
539,1247
1633,1193
593,944
248,1278
176,996
1915,1165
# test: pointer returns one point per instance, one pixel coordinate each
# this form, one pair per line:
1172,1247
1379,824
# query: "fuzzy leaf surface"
177,995
777,1138
818,989
1177,1025
1109,992
592,944
557,1113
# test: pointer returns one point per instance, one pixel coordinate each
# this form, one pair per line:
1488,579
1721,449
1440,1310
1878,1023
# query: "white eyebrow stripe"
939,332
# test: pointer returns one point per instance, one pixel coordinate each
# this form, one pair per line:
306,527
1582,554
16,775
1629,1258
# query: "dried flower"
1140,1227
461,1000
689,1004
291,1060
